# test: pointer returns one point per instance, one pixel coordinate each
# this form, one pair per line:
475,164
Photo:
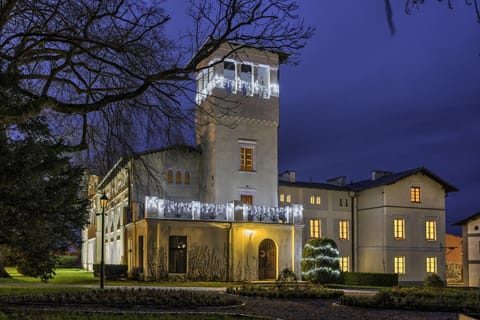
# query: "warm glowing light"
249,233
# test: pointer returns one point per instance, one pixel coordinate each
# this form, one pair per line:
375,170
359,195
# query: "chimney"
338,181
288,176
377,174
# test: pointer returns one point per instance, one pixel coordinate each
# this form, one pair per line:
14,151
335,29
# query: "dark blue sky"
362,99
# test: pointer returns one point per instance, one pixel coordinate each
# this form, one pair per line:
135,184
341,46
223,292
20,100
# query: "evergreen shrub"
320,261
112,271
370,279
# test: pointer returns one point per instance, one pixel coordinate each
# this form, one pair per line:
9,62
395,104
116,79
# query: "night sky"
362,99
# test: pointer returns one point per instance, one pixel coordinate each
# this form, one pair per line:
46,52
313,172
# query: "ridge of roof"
394,177
467,219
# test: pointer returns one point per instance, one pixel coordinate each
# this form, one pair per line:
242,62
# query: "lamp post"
103,204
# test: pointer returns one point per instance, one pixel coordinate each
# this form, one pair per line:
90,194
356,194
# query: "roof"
467,219
369,184
124,160
394,177
205,49
313,185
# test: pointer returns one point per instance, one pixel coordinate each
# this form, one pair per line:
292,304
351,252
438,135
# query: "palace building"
220,211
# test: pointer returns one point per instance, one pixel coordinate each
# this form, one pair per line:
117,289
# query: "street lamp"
352,196
103,204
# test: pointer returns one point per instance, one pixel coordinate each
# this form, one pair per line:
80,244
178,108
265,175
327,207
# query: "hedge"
370,279
68,262
112,271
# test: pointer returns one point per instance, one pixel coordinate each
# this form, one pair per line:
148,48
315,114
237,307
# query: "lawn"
73,276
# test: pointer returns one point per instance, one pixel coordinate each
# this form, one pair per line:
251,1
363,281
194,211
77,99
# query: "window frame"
415,194
169,176
399,228
399,265
431,230
344,264
343,230
245,145
315,228
431,264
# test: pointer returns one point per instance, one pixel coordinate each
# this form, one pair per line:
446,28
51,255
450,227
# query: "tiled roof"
467,219
368,184
394,177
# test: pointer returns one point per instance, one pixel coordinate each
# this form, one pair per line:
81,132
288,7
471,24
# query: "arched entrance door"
267,260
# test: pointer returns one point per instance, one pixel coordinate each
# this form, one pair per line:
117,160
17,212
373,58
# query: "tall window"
399,229
343,230
399,265
289,198
431,264
431,230
246,78
315,228
345,264
282,197
415,194
229,76
178,177
186,177
312,199
169,176
177,254
246,199
246,158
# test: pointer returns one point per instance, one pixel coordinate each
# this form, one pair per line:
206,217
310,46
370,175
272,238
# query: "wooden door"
267,260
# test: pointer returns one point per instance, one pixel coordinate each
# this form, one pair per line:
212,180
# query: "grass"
72,276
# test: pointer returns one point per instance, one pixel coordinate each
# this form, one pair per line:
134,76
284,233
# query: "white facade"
471,250
396,224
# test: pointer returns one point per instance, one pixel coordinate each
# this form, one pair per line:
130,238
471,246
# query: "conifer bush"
320,261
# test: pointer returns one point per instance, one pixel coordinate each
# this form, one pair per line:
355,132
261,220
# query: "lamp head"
103,201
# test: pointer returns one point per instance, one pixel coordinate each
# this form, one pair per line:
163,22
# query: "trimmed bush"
320,261
68,262
370,279
112,271
286,291
433,281
419,298
287,275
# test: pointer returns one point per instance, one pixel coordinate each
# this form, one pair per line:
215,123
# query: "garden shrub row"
126,297
418,298
284,290
68,262
370,279
112,271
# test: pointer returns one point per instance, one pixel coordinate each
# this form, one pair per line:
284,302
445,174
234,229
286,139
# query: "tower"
237,125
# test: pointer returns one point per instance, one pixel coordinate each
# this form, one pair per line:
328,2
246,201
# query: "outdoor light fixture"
103,204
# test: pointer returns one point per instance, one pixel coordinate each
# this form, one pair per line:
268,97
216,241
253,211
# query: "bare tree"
100,67
410,5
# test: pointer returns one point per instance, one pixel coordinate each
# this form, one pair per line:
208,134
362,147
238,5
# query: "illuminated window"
282,197
345,264
399,265
315,200
315,226
178,177
186,178
262,81
399,229
289,198
343,230
169,176
247,157
246,199
415,194
431,263
431,230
